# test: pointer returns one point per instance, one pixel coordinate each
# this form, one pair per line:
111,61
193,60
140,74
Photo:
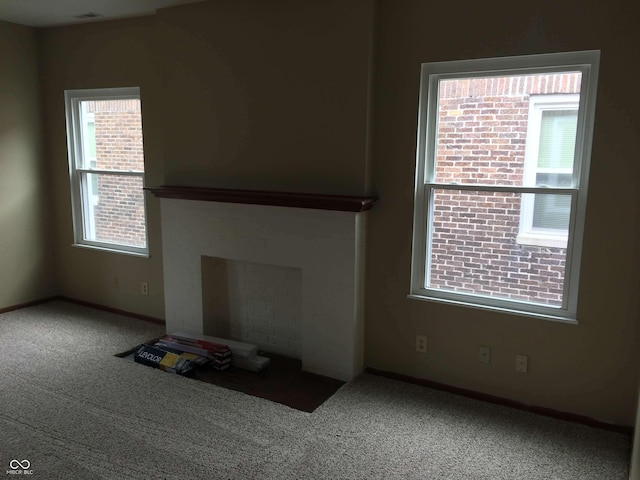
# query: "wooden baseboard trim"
505,402
28,304
117,311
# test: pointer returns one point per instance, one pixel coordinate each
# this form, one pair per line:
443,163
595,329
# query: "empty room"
319,239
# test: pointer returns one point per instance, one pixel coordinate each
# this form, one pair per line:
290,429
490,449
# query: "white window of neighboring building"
550,148
502,167
106,169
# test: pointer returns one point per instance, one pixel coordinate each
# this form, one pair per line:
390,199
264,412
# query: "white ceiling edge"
54,13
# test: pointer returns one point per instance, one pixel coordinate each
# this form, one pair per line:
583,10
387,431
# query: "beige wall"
96,55
25,233
589,369
235,94
266,95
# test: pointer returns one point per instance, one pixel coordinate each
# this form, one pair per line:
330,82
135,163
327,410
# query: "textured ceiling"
50,13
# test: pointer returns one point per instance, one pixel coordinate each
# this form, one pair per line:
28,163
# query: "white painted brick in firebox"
266,314
265,330
257,338
279,342
286,333
255,303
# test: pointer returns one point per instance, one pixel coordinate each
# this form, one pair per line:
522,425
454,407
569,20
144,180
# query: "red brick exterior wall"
119,215
482,134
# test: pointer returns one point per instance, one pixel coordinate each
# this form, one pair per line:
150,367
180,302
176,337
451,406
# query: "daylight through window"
501,176
106,166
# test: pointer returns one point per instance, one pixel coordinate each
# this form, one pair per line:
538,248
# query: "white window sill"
542,240
111,250
511,311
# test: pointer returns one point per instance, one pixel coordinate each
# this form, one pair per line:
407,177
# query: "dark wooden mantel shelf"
258,197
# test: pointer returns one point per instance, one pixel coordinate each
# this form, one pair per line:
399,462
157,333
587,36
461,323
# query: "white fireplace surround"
327,245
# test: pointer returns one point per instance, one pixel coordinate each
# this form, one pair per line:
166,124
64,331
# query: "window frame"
79,168
586,62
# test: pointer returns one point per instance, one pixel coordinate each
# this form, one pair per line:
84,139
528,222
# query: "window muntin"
106,166
472,137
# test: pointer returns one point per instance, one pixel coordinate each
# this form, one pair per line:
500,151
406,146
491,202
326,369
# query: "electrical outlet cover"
484,354
522,363
421,343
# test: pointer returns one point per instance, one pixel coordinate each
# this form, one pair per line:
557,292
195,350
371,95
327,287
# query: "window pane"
557,138
474,250
550,179
114,209
117,135
552,212
482,127
89,135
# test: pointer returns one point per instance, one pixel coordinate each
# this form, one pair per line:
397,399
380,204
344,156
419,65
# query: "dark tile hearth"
283,381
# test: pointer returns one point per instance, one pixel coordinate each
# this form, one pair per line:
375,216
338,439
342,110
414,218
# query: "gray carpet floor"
74,410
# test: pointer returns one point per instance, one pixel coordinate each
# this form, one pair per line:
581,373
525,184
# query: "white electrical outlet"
421,343
522,363
144,288
484,354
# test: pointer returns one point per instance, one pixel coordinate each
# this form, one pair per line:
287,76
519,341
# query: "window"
501,174
551,137
106,169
